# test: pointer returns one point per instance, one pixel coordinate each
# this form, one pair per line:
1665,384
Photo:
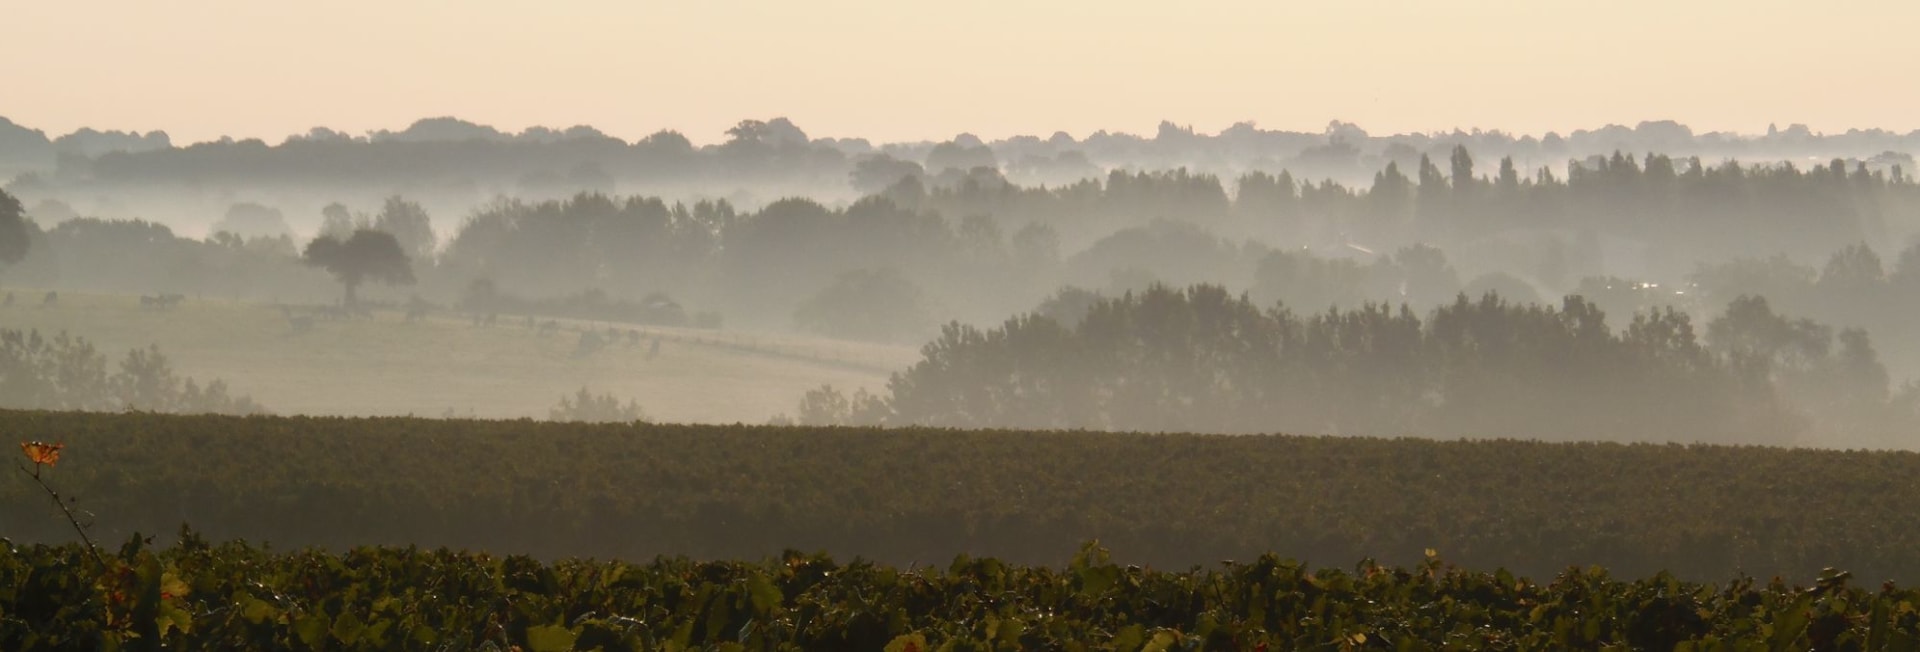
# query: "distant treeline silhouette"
443,149
981,247
1204,360
1671,212
1177,227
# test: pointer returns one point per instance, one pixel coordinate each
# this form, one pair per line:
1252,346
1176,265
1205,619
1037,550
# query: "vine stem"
64,509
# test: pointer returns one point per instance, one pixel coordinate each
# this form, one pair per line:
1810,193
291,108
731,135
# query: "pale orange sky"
901,70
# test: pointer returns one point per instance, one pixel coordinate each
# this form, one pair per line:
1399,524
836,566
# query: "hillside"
444,363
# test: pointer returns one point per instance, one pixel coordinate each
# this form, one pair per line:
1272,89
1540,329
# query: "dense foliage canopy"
235,596
1203,360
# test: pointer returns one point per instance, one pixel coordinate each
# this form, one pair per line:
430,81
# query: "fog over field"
1560,247
1004,325
1724,287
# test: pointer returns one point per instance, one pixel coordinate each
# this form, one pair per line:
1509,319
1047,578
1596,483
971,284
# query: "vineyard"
909,497
234,596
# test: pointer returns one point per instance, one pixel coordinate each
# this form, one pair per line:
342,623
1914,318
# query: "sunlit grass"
389,366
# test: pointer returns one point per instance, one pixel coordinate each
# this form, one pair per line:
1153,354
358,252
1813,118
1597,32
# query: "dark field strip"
922,496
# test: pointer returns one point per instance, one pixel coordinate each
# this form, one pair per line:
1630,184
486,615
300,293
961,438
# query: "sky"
898,70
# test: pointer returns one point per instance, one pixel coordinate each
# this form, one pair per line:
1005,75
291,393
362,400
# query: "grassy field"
390,366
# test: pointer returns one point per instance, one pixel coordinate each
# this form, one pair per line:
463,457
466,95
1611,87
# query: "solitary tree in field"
365,255
13,230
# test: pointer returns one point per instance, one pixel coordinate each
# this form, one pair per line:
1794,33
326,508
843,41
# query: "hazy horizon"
766,276
900,73
611,325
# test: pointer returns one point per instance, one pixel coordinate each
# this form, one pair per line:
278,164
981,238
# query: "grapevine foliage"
235,596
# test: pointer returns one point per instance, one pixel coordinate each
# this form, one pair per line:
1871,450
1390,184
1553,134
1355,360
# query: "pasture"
312,360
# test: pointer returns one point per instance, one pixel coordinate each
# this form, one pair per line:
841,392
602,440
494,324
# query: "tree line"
1203,360
962,246
1332,357
443,149
1657,212
987,246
